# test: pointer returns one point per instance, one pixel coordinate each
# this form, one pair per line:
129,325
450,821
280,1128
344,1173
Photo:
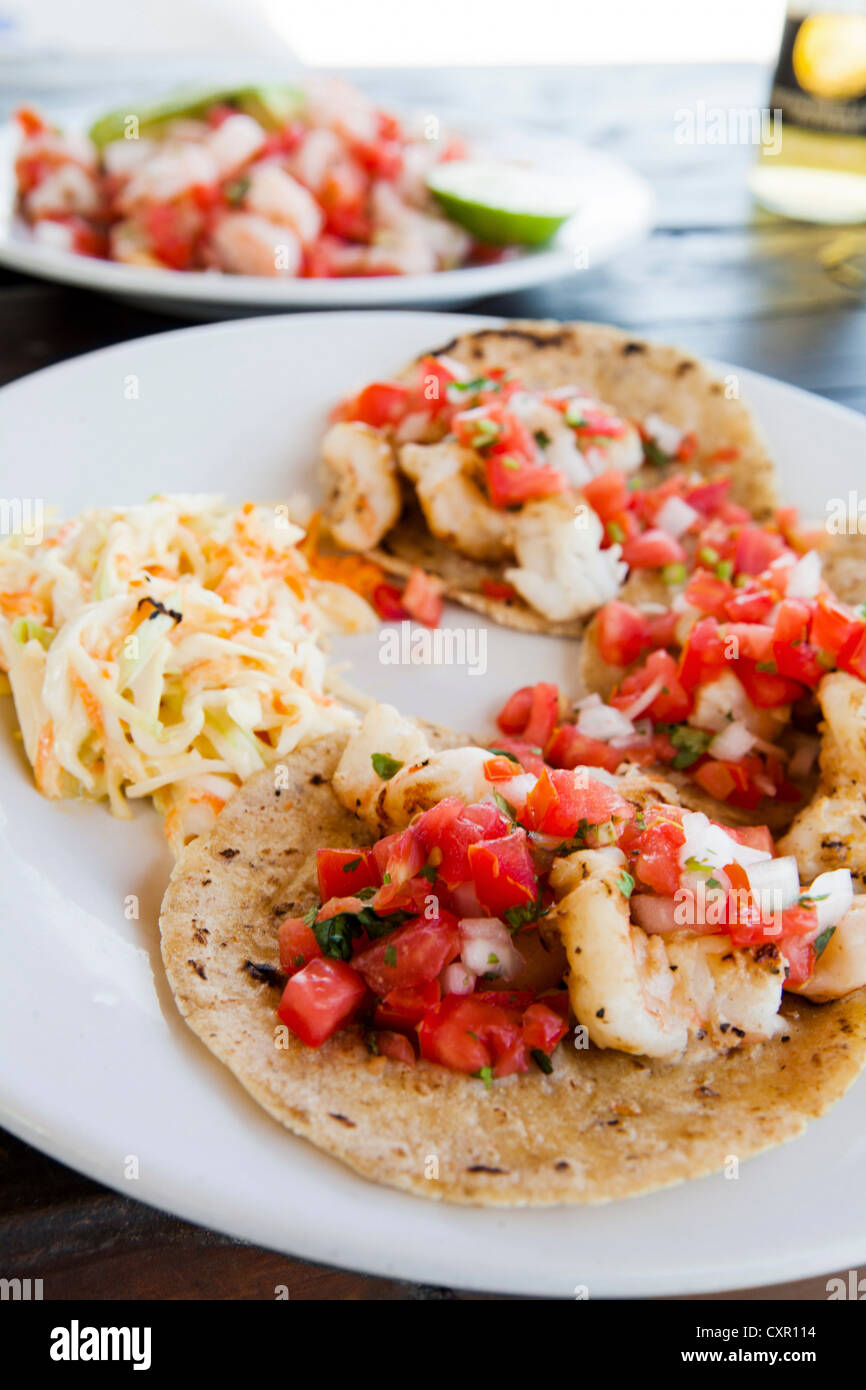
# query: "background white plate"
616,212
96,1064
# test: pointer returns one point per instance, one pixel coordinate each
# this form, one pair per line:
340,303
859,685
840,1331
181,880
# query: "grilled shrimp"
649,994
831,829
275,195
248,245
562,570
425,776
453,503
362,486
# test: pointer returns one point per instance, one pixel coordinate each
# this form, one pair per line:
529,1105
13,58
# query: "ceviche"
310,181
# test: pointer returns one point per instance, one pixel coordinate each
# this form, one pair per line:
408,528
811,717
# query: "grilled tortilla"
603,1125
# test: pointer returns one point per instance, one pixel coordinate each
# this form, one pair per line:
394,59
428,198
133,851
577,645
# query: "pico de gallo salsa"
719,681
417,938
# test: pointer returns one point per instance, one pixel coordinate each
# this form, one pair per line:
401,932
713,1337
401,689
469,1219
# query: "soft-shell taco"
479,462
588,1027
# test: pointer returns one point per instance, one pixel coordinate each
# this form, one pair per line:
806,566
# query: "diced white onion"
732,744
487,948
803,757
832,894
604,722
644,700
804,581
711,844
466,901
676,516
666,435
516,789
775,883
456,979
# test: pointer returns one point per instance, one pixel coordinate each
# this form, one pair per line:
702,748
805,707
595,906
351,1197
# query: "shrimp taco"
486,980
484,462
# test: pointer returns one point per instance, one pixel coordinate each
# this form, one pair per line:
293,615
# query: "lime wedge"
272,106
503,202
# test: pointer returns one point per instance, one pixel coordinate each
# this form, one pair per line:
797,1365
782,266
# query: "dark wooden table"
716,276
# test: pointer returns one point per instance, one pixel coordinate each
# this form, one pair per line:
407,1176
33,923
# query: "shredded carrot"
45,768
356,572
90,703
19,605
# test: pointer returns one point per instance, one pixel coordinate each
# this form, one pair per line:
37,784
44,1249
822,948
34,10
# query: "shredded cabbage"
168,650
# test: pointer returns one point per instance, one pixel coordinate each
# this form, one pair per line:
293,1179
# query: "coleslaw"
168,650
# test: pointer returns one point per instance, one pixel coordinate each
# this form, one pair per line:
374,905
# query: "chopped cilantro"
542,439
541,1060
505,806
428,872
352,865
820,942
708,556
311,914
517,917
485,1075
504,753
391,956
236,191
371,1042
365,894
298,960
492,959
769,666
384,765
336,934
674,574
724,569
690,743
625,884
653,454
615,531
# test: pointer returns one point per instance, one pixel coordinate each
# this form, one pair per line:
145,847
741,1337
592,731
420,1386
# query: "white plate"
617,211
96,1064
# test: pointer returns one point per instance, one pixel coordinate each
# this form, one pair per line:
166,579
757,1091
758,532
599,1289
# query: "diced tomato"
342,872
379,404
403,1008
793,618
607,494
854,661
413,954
411,895
434,378
499,769
799,662
834,627
30,122
542,1028
672,703
172,232
511,481
663,628
343,198
396,1046
388,603
468,1034
498,589
400,856
756,549
560,800
622,632
800,959
514,715
749,606
527,756
422,597
490,819
755,836
657,850
570,748
710,594
430,825
716,778
708,497
532,712
321,999
703,655
298,945
503,872
652,550
765,689
751,641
